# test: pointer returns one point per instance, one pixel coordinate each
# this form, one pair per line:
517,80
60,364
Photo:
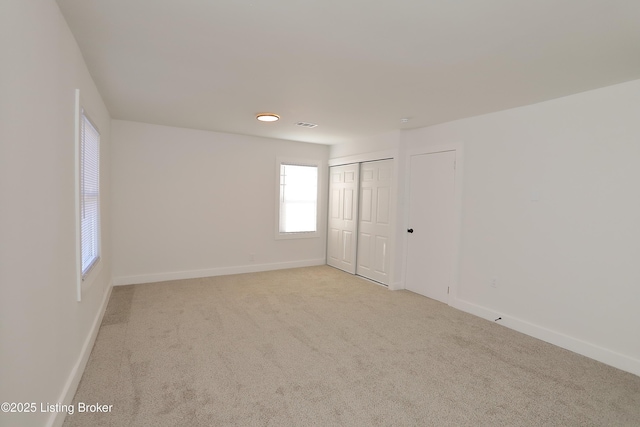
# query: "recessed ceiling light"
268,117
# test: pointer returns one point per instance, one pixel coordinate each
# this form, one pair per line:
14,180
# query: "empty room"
354,213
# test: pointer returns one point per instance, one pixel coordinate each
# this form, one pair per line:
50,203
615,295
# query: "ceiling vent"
306,125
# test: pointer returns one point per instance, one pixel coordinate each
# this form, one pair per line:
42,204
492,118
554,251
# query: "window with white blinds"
298,198
89,194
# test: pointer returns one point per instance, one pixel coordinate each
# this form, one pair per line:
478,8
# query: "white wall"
376,143
190,203
44,331
551,209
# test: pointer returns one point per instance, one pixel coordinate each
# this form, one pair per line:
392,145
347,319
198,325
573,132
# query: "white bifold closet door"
374,227
359,219
343,217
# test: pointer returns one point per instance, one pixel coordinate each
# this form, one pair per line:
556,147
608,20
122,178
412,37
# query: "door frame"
457,221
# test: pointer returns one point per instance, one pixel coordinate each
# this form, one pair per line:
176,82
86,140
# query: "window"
298,207
89,194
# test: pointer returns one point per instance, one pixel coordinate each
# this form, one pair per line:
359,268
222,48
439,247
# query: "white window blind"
298,198
89,194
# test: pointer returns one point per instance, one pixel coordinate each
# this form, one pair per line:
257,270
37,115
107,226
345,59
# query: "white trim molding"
319,191
365,157
218,271
56,419
584,348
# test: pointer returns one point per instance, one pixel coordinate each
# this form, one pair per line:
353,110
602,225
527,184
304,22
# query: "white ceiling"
354,67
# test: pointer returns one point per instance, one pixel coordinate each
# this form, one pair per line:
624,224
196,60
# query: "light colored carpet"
316,346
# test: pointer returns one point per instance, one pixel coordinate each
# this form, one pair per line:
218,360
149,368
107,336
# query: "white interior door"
374,226
430,256
343,215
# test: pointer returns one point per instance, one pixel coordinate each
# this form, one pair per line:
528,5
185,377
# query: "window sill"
90,278
305,235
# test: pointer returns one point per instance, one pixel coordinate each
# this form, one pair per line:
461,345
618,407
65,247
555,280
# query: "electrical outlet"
494,283
252,257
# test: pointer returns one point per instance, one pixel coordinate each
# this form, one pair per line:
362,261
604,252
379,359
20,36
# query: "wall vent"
306,125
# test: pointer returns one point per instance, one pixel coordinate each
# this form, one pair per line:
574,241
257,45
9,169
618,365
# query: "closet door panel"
374,228
343,209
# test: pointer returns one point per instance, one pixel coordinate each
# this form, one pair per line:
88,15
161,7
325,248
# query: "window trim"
84,116
297,162
85,280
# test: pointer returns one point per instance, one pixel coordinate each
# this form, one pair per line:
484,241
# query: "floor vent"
306,125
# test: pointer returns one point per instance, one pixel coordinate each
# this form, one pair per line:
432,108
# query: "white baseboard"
396,286
584,348
56,419
220,271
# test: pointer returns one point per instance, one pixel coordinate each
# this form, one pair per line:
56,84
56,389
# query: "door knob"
410,230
